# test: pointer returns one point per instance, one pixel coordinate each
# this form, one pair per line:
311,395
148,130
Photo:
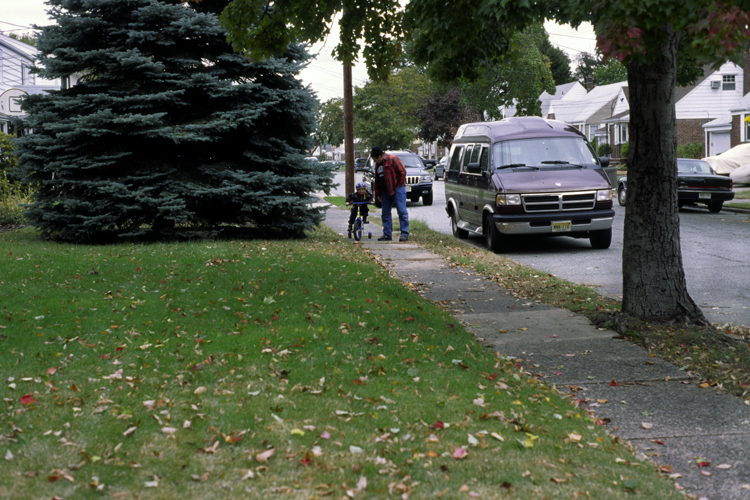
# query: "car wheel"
715,206
427,199
495,240
457,231
621,196
601,240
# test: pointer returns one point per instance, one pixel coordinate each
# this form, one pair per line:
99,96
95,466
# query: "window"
727,82
747,128
467,158
623,132
484,160
592,128
456,159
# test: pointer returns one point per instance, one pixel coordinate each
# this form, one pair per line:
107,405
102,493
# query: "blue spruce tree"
167,132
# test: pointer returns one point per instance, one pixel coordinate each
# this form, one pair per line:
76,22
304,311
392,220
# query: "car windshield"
693,167
411,161
543,152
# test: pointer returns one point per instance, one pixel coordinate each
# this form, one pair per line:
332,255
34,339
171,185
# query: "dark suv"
524,176
418,179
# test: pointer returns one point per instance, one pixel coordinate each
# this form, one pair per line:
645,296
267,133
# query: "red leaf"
359,381
704,464
28,399
369,301
410,318
437,425
658,441
613,384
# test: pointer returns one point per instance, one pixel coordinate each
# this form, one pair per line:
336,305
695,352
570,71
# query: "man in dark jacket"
390,188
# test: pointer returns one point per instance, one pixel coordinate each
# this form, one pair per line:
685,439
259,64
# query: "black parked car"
418,179
696,183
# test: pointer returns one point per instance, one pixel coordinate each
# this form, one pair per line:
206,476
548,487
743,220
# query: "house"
740,112
702,109
16,80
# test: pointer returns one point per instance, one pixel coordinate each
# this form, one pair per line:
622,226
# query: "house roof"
580,110
742,105
724,121
23,49
565,91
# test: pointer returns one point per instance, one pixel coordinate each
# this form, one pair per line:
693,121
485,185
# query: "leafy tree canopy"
384,113
27,38
559,62
331,121
263,28
442,114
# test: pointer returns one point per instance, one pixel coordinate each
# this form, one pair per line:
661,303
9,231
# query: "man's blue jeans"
399,201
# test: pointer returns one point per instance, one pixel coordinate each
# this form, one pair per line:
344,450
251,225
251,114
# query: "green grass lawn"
264,369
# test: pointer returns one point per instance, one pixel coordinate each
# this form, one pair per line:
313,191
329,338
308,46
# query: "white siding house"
17,81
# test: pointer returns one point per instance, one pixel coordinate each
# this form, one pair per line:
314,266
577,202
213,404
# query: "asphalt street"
714,253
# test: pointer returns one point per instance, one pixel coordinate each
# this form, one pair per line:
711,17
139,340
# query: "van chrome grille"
559,202
412,179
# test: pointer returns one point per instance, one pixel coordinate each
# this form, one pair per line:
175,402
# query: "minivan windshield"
543,152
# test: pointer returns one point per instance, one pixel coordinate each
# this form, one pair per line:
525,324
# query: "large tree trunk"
654,287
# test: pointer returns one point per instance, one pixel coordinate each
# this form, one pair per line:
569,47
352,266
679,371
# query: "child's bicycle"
358,224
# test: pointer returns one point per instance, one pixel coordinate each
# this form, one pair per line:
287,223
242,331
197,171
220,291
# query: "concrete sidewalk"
644,400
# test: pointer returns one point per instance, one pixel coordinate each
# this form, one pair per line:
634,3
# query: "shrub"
13,197
624,150
604,149
690,150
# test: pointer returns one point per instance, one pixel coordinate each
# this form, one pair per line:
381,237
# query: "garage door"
718,142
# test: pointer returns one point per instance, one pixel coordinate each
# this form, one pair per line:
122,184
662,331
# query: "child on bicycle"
359,196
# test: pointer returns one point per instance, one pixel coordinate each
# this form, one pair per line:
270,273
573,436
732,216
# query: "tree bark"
348,130
654,286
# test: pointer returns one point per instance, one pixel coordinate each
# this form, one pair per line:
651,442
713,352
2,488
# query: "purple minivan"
527,176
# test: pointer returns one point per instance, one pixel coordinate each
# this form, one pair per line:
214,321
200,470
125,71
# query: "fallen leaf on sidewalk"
647,425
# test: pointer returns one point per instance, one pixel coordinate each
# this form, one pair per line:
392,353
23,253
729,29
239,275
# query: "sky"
324,74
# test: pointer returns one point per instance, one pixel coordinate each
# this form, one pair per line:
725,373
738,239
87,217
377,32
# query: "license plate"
704,196
408,188
559,227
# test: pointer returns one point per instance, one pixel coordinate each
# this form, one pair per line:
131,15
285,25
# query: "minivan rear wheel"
457,231
496,241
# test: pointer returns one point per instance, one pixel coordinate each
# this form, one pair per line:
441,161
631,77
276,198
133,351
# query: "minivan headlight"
508,199
604,195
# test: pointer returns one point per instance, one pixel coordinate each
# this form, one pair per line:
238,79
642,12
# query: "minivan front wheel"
601,239
427,199
457,231
496,241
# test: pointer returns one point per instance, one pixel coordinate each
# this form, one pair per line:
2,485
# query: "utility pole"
348,130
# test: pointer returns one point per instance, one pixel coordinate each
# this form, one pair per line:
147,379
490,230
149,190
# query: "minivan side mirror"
474,168
604,161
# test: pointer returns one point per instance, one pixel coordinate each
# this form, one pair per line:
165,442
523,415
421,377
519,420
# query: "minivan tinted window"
543,151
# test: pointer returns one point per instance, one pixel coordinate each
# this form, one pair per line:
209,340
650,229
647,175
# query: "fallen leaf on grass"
437,425
129,431
28,399
263,457
574,437
460,453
